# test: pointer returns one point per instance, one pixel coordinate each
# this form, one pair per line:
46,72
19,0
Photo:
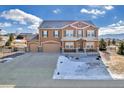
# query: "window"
56,33
69,33
45,34
90,33
69,45
90,45
79,33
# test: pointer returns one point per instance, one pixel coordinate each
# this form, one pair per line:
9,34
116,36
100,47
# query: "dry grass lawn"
116,64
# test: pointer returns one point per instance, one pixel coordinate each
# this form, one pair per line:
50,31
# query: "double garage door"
51,47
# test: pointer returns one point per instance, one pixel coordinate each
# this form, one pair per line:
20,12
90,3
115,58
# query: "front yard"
115,64
84,67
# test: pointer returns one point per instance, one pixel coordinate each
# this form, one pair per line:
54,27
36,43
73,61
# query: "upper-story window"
79,33
90,33
45,33
69,33
56,33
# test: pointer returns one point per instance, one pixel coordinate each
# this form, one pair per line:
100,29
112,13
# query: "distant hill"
115,36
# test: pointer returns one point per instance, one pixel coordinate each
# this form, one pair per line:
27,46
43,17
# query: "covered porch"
72,46
78,46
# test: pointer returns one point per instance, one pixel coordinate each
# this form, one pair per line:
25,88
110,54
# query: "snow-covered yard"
81,68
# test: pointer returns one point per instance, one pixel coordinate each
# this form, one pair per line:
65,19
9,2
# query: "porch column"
62,47
85,52
76,33
76,46
97,49
77,50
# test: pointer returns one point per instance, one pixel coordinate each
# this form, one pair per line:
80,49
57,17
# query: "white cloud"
96,11
94,17
93,11
19,29
115,28
57,11
108,7
21,17
5,24
2,32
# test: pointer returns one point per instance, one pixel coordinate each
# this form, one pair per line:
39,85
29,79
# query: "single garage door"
55,47
33,47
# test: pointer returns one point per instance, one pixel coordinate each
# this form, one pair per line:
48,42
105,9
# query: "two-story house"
67,36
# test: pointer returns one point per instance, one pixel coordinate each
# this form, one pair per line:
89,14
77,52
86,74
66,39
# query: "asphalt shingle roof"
34,37
58,23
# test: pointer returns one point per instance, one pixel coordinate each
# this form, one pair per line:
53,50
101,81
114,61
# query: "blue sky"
110,19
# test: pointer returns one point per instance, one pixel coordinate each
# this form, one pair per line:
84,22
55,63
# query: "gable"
80,24
69,27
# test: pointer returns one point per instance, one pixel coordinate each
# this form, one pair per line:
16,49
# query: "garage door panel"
51,47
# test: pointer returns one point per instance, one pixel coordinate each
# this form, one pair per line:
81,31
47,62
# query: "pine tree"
11,38
102,45
19,37
0,38
0,35
121,48
109,42
113,42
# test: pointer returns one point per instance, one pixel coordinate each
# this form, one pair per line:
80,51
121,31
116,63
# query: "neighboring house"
2,43
33,43
19,44
27,36
4,40
67,36
112,49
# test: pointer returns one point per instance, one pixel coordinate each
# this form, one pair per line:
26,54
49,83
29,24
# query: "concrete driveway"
36,70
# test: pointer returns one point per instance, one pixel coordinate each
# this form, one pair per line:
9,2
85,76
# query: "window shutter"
74,32
95,33
54,33
58,33
82,33
42,34
47,33
65,33
86,33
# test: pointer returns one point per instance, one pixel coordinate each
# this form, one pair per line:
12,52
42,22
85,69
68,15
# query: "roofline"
71,26
74,21
65,20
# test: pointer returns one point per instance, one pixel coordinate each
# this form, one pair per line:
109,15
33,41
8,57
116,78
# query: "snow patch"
87,69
